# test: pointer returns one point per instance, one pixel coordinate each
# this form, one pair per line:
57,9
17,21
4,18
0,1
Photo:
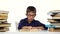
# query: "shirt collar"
27,21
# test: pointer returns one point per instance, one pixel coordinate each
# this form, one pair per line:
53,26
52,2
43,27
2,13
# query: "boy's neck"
29,21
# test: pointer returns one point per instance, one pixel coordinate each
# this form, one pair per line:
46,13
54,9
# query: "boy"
30,22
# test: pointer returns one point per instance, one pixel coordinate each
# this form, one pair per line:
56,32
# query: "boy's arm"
42,25
20,25
27,27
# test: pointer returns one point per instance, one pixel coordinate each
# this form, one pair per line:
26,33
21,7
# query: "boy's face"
30,16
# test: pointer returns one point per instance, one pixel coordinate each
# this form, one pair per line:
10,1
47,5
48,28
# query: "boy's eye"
31,15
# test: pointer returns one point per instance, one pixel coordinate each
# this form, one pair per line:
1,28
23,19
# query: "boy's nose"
31,17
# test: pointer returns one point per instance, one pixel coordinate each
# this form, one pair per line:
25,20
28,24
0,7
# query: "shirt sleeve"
20,25
41,24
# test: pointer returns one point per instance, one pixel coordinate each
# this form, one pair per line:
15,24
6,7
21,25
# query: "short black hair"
31,9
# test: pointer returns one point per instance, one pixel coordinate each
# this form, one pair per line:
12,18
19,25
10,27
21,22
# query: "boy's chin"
30,20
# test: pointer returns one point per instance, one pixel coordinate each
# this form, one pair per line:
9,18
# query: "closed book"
55,24
4,30
3,17
3,12
54,12
3,20
55,17
54,29
53,20
5,25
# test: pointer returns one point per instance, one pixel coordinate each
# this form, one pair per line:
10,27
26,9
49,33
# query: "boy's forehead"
31,13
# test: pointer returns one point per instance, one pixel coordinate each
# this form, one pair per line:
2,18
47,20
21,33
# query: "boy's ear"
35,14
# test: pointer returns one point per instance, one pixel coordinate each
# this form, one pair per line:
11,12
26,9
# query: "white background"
17,10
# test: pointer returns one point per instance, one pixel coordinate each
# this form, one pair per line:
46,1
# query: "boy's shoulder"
36,21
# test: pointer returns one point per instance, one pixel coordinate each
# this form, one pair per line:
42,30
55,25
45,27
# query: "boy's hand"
33,29
27,27
30,27
40,27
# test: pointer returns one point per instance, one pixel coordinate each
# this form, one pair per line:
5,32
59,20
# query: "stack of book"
55,21
4,25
